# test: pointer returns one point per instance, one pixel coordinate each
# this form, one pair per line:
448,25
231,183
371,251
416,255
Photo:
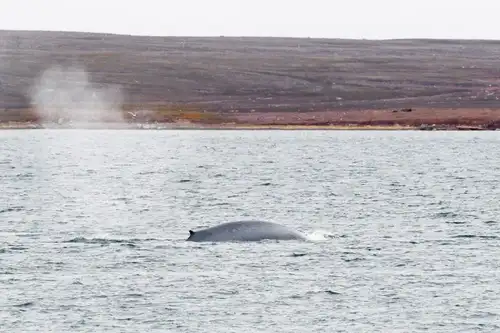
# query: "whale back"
245,231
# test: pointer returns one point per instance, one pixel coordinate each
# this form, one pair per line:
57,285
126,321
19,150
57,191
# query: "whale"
245,231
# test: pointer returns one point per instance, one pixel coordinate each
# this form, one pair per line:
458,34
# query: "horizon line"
251,36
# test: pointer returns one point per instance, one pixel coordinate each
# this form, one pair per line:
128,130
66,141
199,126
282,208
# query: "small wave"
95,240
326,291
24,305
107,241
298,255
353,259
12,209
25,175
221,204
424,195
446,214
122,199
17,248
477,236
228,292
319,235
145,173
312,293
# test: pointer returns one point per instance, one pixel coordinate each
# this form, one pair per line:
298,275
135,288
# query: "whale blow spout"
245,231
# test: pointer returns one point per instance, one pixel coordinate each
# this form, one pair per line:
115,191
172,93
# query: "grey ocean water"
405,226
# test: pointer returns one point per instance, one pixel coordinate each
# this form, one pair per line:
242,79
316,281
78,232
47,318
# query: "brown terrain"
267,81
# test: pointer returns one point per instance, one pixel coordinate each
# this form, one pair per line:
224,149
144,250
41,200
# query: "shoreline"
232,126
163,117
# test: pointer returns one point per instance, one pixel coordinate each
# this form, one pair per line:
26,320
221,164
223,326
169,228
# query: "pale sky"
370,19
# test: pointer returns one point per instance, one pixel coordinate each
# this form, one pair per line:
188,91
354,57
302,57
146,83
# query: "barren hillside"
264,74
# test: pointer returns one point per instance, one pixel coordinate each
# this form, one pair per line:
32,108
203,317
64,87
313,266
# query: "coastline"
227,126
163,117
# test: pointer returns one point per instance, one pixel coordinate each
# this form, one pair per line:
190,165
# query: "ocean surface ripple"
94,222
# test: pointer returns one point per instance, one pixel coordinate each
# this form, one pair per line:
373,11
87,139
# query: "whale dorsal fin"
191,232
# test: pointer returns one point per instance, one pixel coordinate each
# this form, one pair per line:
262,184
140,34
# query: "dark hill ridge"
266,74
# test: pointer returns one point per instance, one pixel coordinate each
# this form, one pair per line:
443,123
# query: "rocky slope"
261,74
